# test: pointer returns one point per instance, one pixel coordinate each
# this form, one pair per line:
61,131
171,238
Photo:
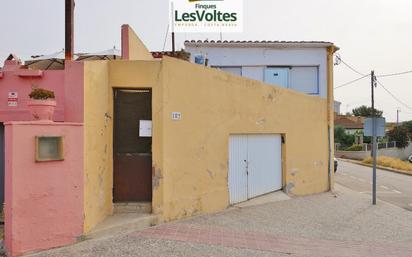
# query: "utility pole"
374,132
69,25
397,116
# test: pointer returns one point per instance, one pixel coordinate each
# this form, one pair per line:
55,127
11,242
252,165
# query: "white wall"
402,154
255,60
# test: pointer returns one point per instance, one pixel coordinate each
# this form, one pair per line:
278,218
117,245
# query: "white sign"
145,128
368,127
12,99
176,115
206,15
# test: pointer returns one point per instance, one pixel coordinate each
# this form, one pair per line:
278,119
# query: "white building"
336,107
301,66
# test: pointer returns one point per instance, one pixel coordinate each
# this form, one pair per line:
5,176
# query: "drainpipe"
69,37
330,51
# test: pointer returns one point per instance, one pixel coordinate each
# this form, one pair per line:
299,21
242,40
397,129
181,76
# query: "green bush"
41,94
354,148
342,138
400,135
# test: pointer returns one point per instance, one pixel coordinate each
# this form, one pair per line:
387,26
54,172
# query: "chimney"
69,38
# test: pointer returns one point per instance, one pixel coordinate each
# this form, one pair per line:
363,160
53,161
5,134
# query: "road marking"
344,174
396,191
360,179
353,177
410,204
385,187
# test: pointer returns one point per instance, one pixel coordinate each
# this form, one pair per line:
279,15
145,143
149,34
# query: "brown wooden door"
132,180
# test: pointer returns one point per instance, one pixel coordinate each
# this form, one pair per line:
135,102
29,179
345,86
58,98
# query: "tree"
408,126
365,111
400,135
342,138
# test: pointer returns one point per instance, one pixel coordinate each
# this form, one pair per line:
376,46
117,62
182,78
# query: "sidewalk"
330,224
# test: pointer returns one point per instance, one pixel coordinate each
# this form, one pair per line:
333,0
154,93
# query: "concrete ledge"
44,122
263,199
123,223
377,166
29,73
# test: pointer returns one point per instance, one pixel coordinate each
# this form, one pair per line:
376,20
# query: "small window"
49,148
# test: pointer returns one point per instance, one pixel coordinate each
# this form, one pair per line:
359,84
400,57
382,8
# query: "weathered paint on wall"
190,156
132,47
98,149
146,74
44,201
215,104
99,118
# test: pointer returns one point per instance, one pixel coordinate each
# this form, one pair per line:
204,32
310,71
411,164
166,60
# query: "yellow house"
191,139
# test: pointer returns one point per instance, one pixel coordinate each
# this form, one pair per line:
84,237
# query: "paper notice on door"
145,128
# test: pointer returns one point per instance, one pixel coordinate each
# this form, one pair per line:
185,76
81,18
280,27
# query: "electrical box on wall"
49,148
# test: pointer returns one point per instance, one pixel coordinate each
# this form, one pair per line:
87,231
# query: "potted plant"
42,104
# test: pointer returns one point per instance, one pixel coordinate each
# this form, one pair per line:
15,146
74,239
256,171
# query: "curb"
377,166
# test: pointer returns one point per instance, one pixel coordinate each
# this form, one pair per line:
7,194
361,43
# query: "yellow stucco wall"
214,105
137,50
98,161
146,74
190,156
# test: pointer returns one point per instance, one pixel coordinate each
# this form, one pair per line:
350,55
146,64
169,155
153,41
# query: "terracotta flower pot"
42,109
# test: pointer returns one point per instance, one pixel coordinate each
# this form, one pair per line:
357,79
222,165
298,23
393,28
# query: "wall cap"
29,73
43,123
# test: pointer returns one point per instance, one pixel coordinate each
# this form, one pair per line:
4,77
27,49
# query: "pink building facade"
17,81
43,201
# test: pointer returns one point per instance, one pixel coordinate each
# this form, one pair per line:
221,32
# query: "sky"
372,35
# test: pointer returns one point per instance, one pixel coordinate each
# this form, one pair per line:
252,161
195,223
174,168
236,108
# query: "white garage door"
255,166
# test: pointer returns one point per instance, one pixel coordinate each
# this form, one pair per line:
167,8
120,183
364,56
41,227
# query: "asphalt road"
392,187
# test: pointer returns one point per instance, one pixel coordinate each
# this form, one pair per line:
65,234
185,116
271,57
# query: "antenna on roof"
173,26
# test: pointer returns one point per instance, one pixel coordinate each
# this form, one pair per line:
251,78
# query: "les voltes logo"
206,15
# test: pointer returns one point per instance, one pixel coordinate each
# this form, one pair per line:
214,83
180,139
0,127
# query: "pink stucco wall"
73,91
67,85
43,201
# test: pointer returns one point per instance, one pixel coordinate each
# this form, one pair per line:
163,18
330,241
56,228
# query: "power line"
353,69
378,76
394,74
393,96
347,65
352,81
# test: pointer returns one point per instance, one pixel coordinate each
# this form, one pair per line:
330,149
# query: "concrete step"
264,199
132,207
123,223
